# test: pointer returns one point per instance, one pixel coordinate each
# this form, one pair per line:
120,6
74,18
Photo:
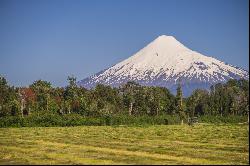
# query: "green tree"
198,103
8,98
129,90
42,90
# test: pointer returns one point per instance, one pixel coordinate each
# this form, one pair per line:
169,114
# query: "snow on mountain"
164,62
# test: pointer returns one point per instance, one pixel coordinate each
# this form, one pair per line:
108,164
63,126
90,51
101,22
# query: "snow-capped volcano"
165,62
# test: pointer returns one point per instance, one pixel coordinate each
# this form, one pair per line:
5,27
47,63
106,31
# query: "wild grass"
157,144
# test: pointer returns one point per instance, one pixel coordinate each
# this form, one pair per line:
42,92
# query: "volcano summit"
165,62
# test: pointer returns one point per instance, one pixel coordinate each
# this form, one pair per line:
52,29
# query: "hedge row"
50,120
223,119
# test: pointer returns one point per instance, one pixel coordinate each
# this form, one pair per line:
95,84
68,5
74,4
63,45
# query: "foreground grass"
173,144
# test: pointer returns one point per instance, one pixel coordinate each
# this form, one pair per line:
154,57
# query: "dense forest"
42,104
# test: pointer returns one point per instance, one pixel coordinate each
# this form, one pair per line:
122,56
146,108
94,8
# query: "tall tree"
179,103
129,90
42,90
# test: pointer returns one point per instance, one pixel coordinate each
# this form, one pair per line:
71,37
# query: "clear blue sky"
51,39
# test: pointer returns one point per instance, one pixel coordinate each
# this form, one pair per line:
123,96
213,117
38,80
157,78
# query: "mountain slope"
164,62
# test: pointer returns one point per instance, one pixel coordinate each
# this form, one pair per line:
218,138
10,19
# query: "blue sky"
51,39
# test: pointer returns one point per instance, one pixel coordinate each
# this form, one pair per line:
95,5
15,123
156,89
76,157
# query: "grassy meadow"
155,144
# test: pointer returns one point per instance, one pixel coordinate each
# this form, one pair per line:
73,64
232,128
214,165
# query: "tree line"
130,99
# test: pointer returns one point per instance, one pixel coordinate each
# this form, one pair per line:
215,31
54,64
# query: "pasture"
156,144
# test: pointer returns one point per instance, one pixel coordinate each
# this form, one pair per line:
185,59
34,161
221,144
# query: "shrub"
46,119
223,119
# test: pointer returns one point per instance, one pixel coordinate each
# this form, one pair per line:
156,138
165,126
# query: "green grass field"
173,144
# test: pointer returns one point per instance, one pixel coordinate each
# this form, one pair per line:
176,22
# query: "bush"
141,120
222,119
11,121
46,119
